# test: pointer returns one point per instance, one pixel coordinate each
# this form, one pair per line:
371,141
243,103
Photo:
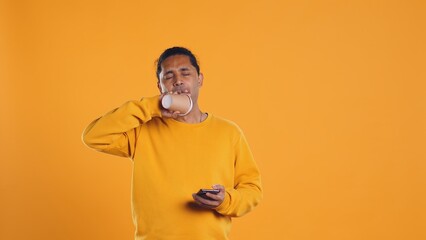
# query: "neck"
195,116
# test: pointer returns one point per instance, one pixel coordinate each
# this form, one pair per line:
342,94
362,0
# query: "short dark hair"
176,51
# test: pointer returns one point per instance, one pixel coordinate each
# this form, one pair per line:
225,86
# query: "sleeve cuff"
225,204
154,105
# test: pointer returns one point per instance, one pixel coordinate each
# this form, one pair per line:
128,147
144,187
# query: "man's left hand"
217,199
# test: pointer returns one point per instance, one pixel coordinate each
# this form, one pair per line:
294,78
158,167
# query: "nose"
177,82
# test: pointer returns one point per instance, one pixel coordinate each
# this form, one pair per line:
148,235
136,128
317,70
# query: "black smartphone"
202,193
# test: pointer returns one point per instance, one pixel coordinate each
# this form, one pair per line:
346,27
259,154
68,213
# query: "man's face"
178,75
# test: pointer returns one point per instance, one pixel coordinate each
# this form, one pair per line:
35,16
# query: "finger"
220,187
165,114
175,114
216,197
205,202
200,202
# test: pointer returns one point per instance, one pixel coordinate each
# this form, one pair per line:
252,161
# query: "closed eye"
186,72
169,76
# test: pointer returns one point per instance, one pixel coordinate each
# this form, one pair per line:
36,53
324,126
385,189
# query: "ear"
200,79
159,87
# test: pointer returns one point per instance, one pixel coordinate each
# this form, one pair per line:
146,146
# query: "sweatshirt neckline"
184,124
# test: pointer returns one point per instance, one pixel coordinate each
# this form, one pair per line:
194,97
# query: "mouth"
181,91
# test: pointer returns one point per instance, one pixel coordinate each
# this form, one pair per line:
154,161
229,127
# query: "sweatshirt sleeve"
117,131
247,191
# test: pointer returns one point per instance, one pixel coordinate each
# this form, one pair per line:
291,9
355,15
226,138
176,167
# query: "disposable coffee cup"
177,102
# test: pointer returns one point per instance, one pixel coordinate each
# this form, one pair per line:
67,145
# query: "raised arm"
117,131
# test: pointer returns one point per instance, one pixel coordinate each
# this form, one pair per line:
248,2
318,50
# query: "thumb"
218,186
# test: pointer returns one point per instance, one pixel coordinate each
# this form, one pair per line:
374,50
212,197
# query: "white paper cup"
177,102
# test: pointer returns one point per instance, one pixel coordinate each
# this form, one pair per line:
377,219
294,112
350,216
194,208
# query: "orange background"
330,94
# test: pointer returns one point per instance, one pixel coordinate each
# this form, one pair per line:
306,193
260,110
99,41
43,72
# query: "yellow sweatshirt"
172,160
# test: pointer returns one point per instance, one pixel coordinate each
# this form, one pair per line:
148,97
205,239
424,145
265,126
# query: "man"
174,156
